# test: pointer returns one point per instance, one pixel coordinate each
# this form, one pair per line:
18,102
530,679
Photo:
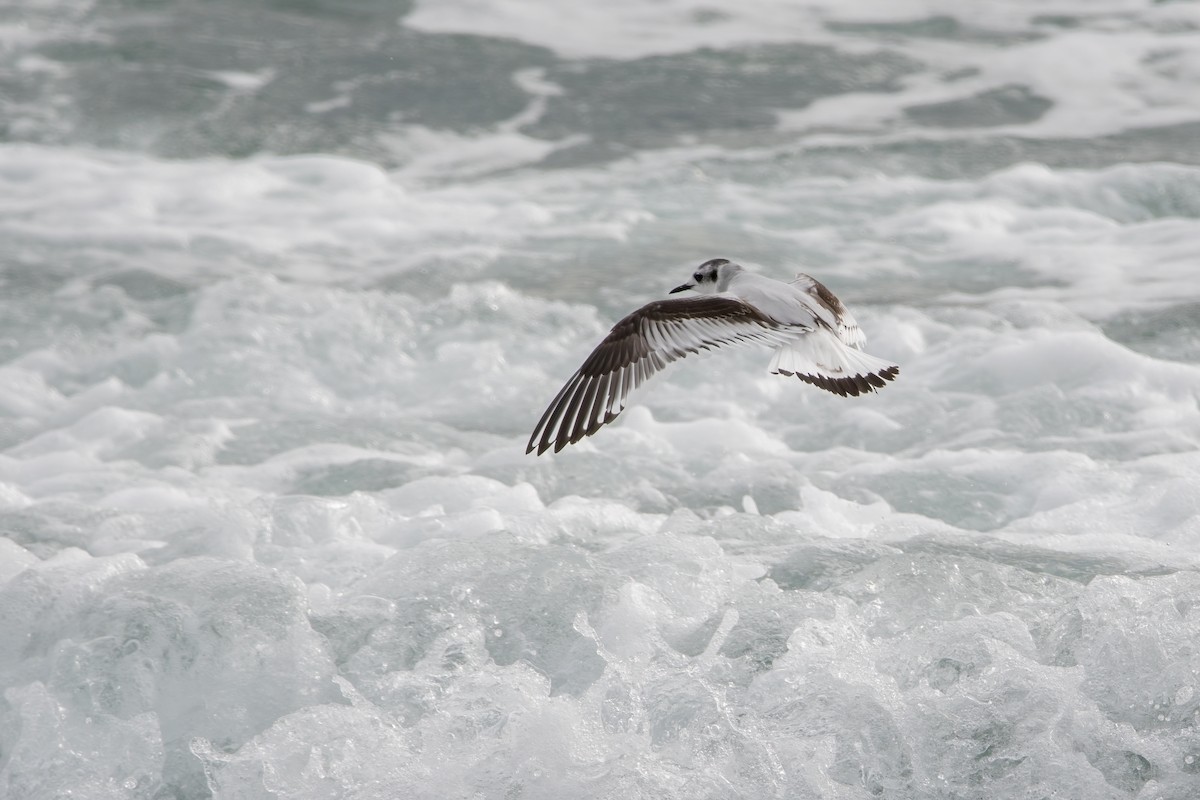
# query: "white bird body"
814,336
785,303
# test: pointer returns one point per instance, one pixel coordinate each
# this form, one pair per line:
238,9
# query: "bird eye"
698,277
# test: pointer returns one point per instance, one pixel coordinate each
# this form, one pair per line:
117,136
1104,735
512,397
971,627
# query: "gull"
814,336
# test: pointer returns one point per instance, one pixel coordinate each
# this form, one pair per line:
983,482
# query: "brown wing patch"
822,294
843,321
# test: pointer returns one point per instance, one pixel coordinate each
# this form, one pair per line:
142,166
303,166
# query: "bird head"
710,277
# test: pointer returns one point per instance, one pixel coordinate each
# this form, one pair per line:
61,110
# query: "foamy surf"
267,528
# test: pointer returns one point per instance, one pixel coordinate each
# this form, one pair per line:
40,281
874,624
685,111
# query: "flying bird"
814,336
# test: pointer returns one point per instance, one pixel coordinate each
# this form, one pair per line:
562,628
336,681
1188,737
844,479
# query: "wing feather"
640,345
831,310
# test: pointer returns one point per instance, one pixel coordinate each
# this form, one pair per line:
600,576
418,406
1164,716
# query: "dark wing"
639,346
830,310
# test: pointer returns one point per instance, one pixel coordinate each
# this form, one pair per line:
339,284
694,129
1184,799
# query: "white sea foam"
267,528
430,612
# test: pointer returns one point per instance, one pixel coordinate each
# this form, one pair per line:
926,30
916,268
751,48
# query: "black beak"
682,288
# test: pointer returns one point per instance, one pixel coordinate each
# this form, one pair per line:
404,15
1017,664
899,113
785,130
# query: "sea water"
284,287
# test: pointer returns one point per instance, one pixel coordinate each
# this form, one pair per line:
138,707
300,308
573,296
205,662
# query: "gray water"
285,286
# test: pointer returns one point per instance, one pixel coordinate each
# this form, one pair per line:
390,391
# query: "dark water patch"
818,567
960,500
1057,20
29,273
593,475
968,276
1006,105
367,12
654,100
975,157
46,528
261,441
936,27
586,154
141,284
187,80
1170,333
41,306
227,79
1077,567
364,475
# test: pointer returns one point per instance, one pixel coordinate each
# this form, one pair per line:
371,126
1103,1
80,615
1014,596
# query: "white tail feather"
823,360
